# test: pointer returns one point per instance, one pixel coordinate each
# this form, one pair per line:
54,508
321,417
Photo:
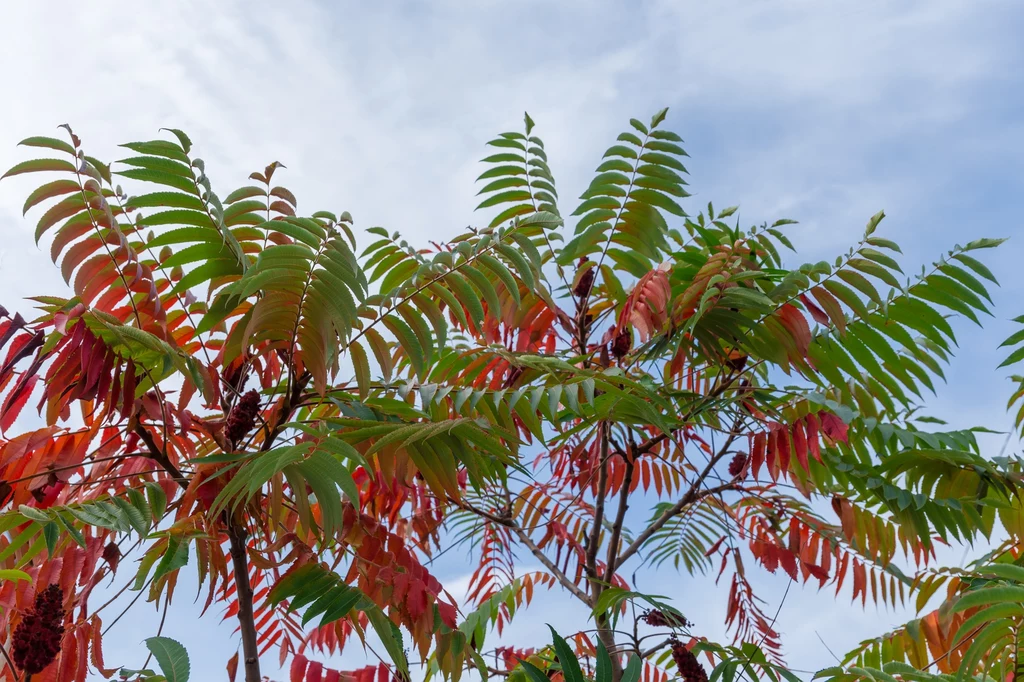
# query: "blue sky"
820,112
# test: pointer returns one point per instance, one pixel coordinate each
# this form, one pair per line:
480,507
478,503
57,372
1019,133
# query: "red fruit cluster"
660,619
36,640
738,465
689,667
242,417
622,343
582,288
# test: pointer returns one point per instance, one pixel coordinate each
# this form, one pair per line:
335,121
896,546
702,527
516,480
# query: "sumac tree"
244,391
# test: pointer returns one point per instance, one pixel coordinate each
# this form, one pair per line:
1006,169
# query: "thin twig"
7,657
159,630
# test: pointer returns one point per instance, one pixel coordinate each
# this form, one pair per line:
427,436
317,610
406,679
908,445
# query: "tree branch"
692,495
506,521
160,457
620,517
654,649
290,401
237,535
10,663
599,500
551,566
604,632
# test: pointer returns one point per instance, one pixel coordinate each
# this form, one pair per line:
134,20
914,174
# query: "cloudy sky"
824,112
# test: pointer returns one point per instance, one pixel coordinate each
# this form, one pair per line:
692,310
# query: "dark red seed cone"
582,288
738,465
622,343
662,620
689,667
36,640
242,417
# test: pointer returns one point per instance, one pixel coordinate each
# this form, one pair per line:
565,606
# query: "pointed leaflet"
37,165
171,657
604,664
570,664
632,671
362,368
48,191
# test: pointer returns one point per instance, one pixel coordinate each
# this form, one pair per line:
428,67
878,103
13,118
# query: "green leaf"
174,558
1014,357
186,144
75,534
13,574
51,533
48,191
157,499
533,672
48,143
570,664
632,671
484,286
655,198
873,223
362,368
158,148
171,656
985,243
390,635
604,664
977,266
37,165
861,283
989,595
409,342
34,514
160,177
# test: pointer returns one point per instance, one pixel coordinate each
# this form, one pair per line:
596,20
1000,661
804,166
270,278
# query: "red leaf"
817,571
817,313
834,427
771,454
16,400
860,582
785,449
67,663
82,633
233,667
298,668
788,562
714,547
97,648
447,613
813,427
757,453
796,324
768,554
646,307
314,671
800,445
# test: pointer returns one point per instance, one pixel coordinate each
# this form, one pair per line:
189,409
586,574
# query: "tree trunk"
607,637
237,534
